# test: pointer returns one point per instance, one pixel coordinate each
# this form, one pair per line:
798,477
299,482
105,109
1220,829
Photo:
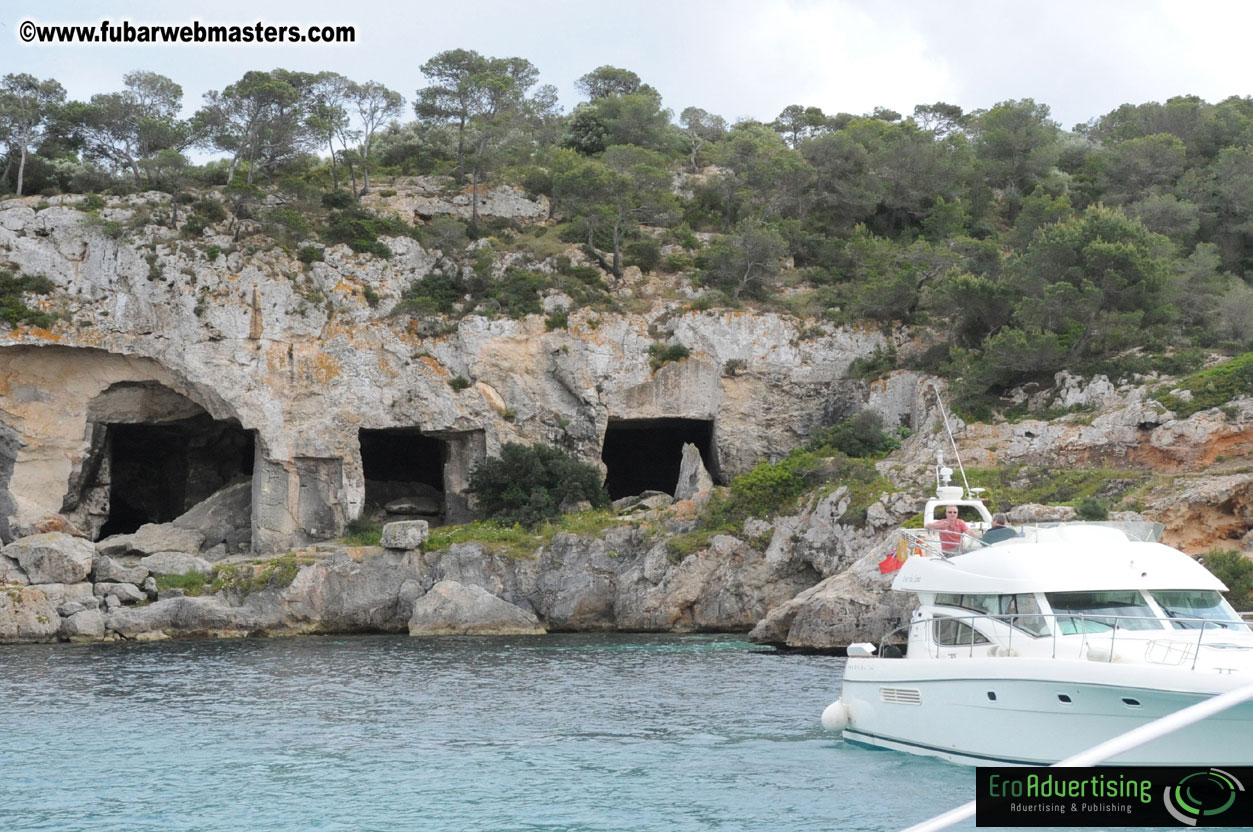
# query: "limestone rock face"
27,615
451,608
52,558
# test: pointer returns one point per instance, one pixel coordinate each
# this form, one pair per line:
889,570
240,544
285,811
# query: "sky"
736,58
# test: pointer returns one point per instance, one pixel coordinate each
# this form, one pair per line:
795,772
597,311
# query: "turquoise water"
574,732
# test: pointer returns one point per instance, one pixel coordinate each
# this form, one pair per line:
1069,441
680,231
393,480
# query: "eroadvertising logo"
1113,796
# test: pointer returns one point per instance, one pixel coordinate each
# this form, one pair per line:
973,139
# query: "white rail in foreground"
1110,748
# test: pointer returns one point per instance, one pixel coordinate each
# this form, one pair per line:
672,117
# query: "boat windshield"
1197,604
1095,612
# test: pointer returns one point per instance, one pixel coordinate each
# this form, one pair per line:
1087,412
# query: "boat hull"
1021,711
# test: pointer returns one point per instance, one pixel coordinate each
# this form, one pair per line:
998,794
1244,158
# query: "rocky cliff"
278,400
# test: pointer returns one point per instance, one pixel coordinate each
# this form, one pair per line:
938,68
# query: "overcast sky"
737,58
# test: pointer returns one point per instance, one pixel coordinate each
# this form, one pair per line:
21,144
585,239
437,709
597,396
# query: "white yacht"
1032,648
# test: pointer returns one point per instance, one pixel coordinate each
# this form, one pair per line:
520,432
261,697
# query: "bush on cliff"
1236,571
528,484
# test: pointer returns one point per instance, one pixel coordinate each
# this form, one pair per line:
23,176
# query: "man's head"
999,520
950,513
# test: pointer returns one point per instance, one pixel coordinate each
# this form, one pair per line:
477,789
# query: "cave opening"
645,454
156,472
404,473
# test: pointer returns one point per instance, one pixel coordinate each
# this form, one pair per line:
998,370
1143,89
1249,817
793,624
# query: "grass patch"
1213,387
192,583
516,542
243,578
362,532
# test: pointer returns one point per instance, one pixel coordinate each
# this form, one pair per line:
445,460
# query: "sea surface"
562,732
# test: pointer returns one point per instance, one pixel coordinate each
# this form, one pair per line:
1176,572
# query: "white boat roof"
1072,558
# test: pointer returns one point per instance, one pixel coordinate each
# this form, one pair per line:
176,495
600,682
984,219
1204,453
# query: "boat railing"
1092,645
929,543
944,544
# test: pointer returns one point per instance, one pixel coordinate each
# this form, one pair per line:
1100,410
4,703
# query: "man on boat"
1000,530
951,529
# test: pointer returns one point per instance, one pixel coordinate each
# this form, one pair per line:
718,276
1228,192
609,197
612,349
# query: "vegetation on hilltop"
1024,247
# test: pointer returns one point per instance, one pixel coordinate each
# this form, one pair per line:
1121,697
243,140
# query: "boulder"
415,505
86,625
61,594
108,569
11,572
52,558
26,614
219,518
126,593
115,545
693,477
175,563
166,537
854,605
405,534
452,608
56,523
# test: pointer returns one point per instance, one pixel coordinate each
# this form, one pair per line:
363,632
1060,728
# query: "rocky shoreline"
59,587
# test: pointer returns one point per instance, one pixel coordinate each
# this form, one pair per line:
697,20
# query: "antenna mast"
951,440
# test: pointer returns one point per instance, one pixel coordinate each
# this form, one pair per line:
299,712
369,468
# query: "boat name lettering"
1045,786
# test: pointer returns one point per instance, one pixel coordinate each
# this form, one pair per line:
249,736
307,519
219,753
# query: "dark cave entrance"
404,472
645,454
158,471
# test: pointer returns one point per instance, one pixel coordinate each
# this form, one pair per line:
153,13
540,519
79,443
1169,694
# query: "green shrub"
436,294
209,210
644,252
518,292
458,383
558,321
212,253
677,262
93,202
194,226
310,254
877,365
387,192
528,484
1092,508
337,200
371,297
1236,571
860,435
13,310
662,354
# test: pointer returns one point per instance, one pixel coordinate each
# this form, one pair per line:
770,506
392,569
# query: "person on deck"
999,530
951,529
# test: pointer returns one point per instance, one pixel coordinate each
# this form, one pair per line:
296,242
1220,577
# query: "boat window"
1095,612
1021,611
1196,604
988,604
1024,613
952,633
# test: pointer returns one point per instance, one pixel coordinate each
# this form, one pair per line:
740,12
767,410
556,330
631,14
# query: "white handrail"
1123,742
